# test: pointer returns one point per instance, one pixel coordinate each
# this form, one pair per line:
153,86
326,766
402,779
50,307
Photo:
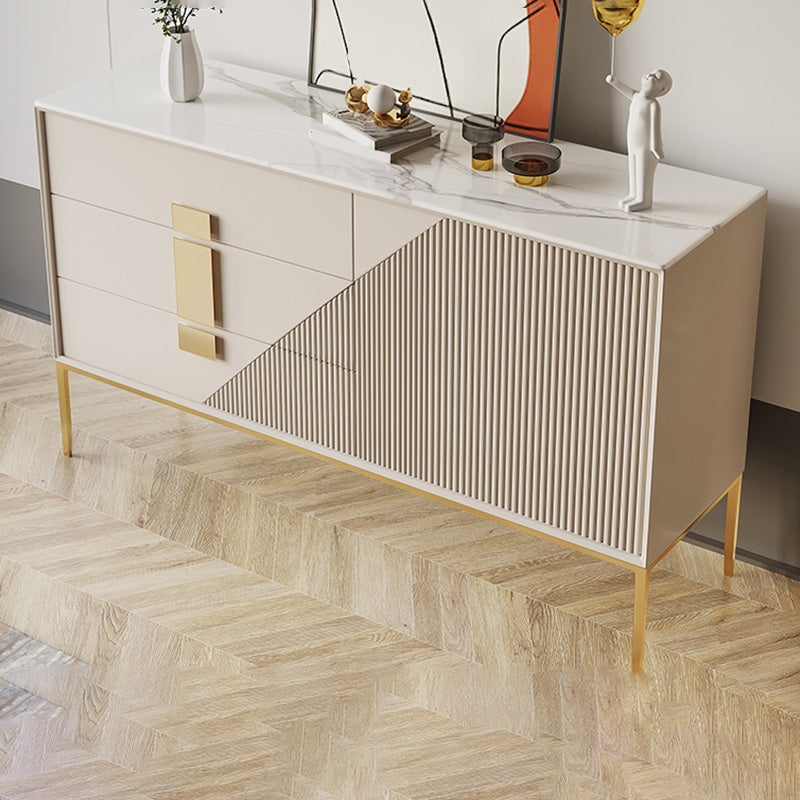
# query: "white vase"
181,67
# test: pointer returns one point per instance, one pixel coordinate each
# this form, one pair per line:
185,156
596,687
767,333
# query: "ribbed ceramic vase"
181,67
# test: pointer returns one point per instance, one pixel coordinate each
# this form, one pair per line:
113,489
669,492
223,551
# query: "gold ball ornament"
354,98
391,120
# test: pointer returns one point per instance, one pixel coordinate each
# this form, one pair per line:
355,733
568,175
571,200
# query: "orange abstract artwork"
532,114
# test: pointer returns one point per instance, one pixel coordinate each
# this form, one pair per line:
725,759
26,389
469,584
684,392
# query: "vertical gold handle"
197,342
191,221
194,282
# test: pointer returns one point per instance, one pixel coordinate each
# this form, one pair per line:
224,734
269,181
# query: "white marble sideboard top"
264,119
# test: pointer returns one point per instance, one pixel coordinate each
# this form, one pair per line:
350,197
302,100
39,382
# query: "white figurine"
645,148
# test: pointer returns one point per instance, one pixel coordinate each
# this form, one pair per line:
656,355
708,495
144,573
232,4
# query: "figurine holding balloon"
645,145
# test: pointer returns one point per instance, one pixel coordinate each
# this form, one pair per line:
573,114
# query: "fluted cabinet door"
511,372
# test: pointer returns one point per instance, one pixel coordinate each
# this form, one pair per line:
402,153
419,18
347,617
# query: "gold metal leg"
732,524
639,617
62,379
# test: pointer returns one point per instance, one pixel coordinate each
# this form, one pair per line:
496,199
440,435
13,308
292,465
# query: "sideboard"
533,355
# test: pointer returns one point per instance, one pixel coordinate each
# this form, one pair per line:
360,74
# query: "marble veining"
264,119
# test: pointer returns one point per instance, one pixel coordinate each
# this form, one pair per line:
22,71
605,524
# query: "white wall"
734,109
44,46
267,34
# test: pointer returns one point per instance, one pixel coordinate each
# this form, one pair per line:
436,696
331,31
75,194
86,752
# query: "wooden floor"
192,613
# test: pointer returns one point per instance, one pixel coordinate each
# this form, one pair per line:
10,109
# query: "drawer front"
255,296
140,343
253,208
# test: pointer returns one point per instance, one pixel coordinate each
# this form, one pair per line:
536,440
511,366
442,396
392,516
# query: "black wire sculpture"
344,40
441,58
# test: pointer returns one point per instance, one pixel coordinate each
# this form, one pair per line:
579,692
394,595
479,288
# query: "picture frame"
458,58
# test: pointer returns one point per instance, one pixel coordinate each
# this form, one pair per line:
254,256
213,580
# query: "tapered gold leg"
732,524
62,379
639,617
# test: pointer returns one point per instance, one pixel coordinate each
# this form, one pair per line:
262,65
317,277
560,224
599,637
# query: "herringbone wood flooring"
194,613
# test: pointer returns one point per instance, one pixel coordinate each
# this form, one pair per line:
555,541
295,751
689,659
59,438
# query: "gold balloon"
616,15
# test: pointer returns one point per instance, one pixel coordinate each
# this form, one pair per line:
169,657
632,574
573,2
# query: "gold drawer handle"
194,282
191,221
199,343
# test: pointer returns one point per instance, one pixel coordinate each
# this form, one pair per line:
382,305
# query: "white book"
360,128
387,155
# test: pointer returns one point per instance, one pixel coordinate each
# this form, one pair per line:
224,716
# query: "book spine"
377,138
412,147
348,130
336,142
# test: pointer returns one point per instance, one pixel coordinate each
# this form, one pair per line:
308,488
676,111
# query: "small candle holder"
531,163
483,131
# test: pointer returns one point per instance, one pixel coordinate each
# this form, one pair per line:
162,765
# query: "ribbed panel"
513,372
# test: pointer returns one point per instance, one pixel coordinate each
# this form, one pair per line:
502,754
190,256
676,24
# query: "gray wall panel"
23,280
769,526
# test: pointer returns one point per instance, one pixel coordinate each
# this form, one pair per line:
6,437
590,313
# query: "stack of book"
357,133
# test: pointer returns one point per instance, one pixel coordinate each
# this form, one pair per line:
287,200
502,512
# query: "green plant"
173,17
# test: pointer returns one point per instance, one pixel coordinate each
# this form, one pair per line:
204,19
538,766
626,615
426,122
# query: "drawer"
253,208
140,343
255,296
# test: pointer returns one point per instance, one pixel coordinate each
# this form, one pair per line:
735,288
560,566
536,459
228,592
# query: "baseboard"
30,313
707,543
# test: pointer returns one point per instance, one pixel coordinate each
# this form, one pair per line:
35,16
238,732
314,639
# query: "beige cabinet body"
599,401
